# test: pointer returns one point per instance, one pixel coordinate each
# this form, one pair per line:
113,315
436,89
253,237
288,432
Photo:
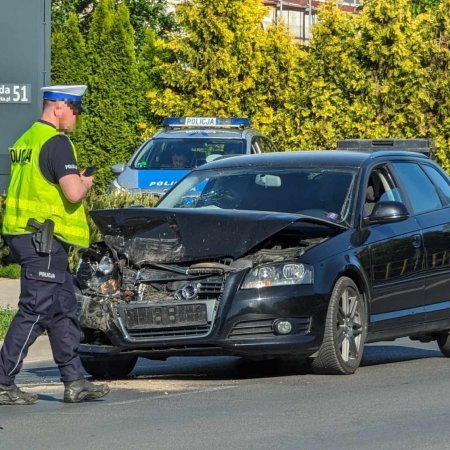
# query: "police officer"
47,187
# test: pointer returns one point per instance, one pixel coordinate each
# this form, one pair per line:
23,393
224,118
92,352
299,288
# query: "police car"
183,144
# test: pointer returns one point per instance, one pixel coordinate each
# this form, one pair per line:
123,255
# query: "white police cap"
73,93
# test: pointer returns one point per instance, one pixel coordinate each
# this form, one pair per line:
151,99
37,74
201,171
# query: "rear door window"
440,180
255,146
419,188
264,144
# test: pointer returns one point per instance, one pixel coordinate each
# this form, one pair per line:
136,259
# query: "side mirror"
387,212
118,168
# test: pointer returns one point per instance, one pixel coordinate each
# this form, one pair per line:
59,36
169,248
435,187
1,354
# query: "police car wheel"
109,367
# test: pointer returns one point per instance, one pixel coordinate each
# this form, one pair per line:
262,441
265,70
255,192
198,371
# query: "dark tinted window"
441,181
420,189
184,153
255,146
265,145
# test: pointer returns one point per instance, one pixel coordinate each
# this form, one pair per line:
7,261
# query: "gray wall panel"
24,59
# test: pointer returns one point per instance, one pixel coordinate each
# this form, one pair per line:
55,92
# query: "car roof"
196,133
322,158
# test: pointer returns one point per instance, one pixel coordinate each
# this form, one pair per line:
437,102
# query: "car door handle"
416,241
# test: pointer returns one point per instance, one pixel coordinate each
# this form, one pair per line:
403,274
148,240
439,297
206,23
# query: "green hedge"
10,271
6,316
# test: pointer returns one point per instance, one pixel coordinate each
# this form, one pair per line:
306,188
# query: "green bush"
6,316
10,271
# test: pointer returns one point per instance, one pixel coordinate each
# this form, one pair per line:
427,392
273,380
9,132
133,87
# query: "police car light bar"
205,122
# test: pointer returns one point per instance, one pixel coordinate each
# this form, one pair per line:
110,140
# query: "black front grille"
260,329
252,329
169,332
211,286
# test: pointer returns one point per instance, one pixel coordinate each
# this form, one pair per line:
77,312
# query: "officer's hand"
75,186
87,181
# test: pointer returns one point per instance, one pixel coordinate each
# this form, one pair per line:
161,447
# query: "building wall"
24,69
301,15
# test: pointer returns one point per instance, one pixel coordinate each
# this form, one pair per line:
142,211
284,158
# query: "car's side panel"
397,259
436,234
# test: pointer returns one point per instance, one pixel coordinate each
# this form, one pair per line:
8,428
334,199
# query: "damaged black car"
299,254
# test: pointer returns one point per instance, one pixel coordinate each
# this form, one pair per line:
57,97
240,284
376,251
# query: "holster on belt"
42,238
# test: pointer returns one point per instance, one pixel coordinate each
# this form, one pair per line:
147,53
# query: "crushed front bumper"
239,322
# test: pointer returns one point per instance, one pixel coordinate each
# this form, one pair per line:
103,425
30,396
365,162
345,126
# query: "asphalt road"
398,399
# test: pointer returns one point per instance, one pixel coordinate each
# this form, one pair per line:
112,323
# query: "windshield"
184,153
322,193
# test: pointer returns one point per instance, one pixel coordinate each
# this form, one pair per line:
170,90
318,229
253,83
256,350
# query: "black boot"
81,390
12,395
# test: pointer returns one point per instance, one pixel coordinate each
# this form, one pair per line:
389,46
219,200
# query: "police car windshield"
184,153
322,193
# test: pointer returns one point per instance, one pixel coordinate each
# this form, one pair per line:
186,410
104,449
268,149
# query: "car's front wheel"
109,367
443,340
345,331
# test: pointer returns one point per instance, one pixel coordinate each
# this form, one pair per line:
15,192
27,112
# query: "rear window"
184,153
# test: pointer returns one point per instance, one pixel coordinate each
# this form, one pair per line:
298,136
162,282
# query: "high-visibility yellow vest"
31,195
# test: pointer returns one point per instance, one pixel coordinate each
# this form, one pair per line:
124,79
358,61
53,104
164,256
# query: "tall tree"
328,103
150,14
224,63
218,58
394,53
144,14
69,61
421,6
277,83
440,82
109,129
152,53
62,8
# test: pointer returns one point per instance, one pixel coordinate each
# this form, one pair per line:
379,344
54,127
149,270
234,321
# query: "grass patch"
10,271
6,316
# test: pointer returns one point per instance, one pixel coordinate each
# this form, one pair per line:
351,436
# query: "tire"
443,340
109,367
345,331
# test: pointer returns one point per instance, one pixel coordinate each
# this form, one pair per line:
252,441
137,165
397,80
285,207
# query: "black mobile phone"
89,171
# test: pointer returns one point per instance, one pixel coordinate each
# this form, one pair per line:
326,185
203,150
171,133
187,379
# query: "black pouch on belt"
42,238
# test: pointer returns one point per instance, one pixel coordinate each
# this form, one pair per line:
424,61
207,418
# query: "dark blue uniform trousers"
47,302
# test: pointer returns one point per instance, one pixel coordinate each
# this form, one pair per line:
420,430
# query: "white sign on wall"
15,93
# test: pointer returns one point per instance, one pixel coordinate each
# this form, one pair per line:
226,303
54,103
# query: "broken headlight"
281,274
106,265
99,276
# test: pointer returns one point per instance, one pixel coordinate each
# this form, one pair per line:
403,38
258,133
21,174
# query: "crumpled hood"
176,235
